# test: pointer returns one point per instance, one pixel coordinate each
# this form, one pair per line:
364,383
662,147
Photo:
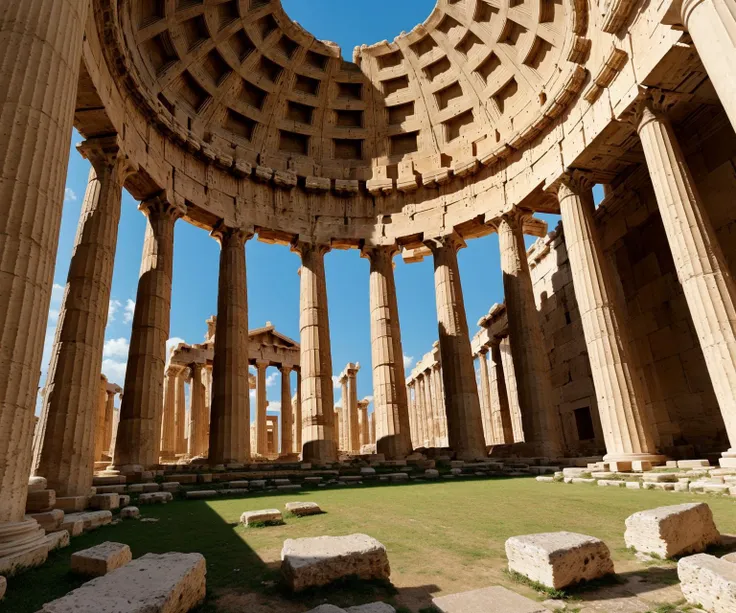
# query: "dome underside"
477,80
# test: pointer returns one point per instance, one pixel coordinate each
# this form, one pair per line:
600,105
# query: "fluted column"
531,359
112,391
100,408
512,391
501,422
287,416
230,413
139,431
197,416
344,442
712,26
338,427
318,404
299,429
420,416
354,420
464,423
168,432
485,397
627,428
261,408
70,422
372,426
390,403
365,435
410,397
180,413
699,261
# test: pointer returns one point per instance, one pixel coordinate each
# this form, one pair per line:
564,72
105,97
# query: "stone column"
197,417
299,428
344,443
390,403
627,428
261,408
501,422
712,26
485,397
112,391
531,360
100,409
287,417
41,43
230,414
353,425
431,404
441,416
69,425
512,392
365,435
419,404
168,432
318,403
372,426
410,397
140,413
464,423
180,414
338,427
701,266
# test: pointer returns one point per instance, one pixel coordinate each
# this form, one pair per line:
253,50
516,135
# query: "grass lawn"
441,538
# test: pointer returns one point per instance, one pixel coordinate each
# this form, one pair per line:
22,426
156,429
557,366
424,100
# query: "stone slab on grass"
168,583
105,502
155,498
318,561
300,509
673,530
199,494
101,559
90,520
130,513
264,516
58,540
494,599
709,582
558,559
73,526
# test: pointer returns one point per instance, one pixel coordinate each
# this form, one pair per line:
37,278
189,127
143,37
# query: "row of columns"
349,431
427,408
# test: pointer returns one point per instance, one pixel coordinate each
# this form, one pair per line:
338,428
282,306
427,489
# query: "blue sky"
273,284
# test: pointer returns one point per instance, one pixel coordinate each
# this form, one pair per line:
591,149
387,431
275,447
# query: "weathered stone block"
199,494
673,530
653,477
73,526
3,586
558,559
58,540
101,559
36,484
155,498
708,582
641,466
71,504
168,583
264,516
50,521
171,486
494,599
40,500
130,513
309,562
693,463
105,502
90,520
301,509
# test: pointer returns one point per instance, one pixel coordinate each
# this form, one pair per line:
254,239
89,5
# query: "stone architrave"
531,359
139,430
180,413
627,428
261,408
485,398
70,415
501,424
512,389
287,416
168,434
37,100
317,396
390,402
230,413
197,416
701,267
464,422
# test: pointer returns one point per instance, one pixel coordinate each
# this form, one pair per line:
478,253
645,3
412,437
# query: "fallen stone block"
155,498
610,483
204,478
693,463
199,494
289,488
578,480
181,478
258,484
124,500
300,509
652,477
398,476
58,540
36,484
558,559
633,485
317,561
367,471
73,526
168,583
237,484
171,486
264,516
494,599
101,559
105,502
666,487
673,530
90,519
432,473
641,466
40,500
716,488
545,479
111,489
708,582
130,513
143,488
236,491
50,520
71,504
573,471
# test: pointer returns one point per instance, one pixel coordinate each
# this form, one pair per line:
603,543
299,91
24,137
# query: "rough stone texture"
91,519
709,582
312,562
3,586
101,559
130,513
303,508
155,498
105,502
672,531
494,599
168,583
58,540
50,520
558,559
264,516
74,526
40,501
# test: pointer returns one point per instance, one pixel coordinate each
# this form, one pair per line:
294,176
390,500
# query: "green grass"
442,537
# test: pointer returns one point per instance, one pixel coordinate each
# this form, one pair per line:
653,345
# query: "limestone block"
111,489
139,488
312,480
258,484
432,473
155,498
264,516
58,540
204,478
199,494
3,586
236,491
237,484
367,471
578,480
181,478
101,559
105,502
50,521
692,463
109,480
633,485
318,561
40,500
398,476
281,482
641,466
558,559
611,483
124,500
621,466
494,599
74,527
374,607
130,513
289,488
545,479
36,484
171,486
71,504
90,519
673,530
573,472
301,509
708,582
653,477
168,583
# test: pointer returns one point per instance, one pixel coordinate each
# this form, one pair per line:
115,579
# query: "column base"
654,459
728,458
22,545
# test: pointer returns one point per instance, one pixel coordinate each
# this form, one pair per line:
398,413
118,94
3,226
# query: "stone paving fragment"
708,582
301,509
130,513
264,516
494,599
101,559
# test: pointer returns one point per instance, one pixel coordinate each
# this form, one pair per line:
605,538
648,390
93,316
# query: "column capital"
174,370
285,369
575,180
378,252
231,235
303,247
105,154
262,364
513,218
452,240
653,104
161,205
195,367
482,351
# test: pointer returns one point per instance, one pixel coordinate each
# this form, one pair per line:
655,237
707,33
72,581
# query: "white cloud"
274,406
113,309
129,310
408,361
272,379
69,195
336,382
116,348
173,342
114,370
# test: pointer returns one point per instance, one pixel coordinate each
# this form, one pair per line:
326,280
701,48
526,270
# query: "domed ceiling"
477,80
